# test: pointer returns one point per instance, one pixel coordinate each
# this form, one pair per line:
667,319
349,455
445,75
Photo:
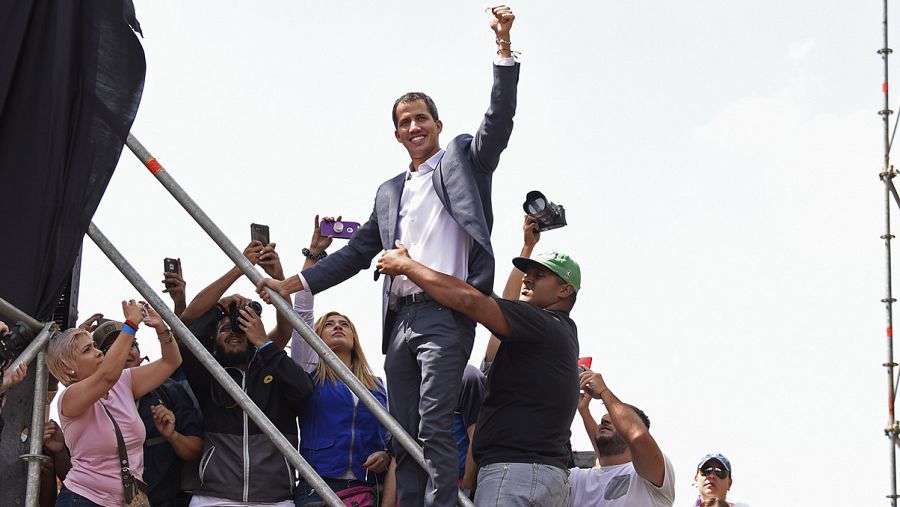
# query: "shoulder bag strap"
127,478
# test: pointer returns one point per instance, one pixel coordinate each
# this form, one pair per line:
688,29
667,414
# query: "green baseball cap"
561,264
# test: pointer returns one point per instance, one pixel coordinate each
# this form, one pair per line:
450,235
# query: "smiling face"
710,485
417,130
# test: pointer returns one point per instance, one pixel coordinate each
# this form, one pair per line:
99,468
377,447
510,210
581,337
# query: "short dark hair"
406,98
640,413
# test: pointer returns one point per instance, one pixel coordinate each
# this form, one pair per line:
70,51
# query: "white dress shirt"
428,231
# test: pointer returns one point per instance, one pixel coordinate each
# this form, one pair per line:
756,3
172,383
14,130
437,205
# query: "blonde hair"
61,352
358,363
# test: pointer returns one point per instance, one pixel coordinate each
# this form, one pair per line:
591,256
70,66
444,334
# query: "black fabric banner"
71,78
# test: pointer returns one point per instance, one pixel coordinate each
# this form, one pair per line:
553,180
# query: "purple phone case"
342,229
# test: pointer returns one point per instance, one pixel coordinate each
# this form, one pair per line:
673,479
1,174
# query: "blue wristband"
264,345
129,330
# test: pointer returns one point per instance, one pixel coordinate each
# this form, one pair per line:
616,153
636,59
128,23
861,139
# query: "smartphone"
170,266
259,232
584,363
342,229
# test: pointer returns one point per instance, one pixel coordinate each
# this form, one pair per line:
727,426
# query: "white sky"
718,162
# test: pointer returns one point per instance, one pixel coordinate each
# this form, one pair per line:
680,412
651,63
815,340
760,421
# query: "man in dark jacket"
240,463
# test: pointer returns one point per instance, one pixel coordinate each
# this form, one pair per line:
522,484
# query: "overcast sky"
718,162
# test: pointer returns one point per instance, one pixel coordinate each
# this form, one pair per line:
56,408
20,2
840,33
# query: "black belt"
412,299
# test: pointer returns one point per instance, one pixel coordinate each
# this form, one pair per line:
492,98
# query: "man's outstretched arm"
646,455
496,127
447,290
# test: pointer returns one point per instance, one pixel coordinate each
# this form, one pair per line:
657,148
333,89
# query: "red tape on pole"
154,165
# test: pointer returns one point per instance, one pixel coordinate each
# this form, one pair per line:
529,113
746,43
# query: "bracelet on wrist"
314,256
501,40
132,324
129,329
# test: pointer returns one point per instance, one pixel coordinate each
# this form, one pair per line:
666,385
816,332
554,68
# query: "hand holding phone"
170,266
584,363
259,232
338,228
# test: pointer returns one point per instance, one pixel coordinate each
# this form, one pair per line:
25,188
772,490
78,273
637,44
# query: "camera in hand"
548,215
14,342
234,312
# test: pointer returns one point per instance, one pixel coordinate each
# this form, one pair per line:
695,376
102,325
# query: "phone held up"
338,229
584,363
259,232
170,266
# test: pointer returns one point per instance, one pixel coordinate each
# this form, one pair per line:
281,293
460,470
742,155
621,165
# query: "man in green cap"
532,390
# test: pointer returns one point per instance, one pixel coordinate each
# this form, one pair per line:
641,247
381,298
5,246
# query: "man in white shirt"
633,470
440,208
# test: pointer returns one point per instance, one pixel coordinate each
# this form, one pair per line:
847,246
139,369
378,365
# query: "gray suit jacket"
462,181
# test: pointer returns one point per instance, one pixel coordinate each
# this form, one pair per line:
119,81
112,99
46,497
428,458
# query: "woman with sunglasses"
340,437
713,480
96,383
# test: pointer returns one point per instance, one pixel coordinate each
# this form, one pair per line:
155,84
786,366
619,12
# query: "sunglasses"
721,474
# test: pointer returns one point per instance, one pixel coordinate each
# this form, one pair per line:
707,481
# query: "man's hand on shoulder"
393,262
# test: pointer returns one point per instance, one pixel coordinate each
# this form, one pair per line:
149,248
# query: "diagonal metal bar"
889,182
215,369
283,306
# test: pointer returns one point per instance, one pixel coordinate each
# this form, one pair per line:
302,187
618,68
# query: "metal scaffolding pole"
215,369
283,306
36,435
886,176
34,350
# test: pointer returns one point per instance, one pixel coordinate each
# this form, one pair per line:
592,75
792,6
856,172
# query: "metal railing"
283,306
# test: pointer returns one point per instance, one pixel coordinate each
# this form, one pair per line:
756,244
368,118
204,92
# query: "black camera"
234,312
548,215
13,343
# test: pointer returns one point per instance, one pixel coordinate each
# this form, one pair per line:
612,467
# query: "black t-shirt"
162,467
532,390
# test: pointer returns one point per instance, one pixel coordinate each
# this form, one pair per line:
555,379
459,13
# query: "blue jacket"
336,435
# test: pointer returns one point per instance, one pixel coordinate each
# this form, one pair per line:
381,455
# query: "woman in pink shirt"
94,381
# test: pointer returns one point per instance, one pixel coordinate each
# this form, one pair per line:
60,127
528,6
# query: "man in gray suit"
440,208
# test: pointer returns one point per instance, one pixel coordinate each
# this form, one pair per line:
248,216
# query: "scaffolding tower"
887,175
35,349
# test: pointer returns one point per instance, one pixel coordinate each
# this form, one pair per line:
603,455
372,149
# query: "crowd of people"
167,434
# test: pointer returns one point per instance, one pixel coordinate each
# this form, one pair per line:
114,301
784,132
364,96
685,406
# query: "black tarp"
71,78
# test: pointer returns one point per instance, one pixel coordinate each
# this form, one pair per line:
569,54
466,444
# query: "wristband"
132,324
314,256
129,329
264,345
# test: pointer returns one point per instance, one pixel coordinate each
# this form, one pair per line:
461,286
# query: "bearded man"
633,470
